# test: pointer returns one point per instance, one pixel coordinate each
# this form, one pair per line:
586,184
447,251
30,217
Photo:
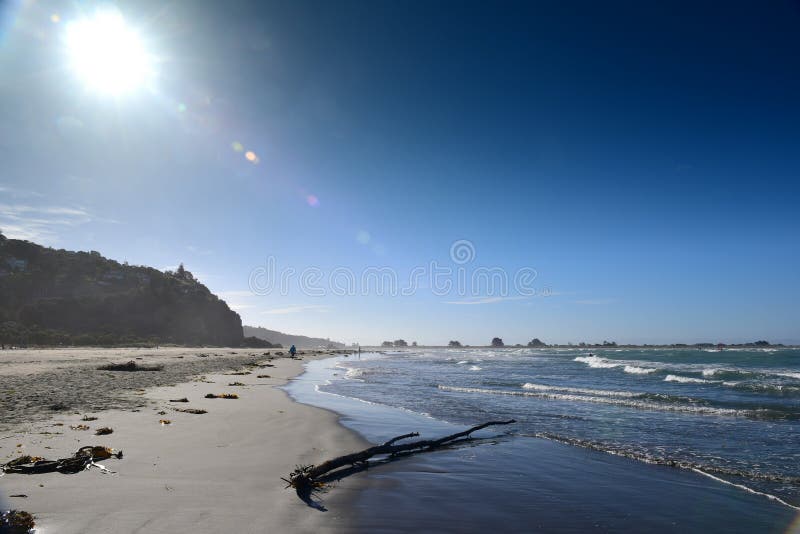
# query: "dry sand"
214,472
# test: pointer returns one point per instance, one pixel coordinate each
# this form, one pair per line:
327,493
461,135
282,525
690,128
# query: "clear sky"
642,157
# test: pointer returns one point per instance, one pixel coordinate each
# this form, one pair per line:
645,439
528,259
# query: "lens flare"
251,157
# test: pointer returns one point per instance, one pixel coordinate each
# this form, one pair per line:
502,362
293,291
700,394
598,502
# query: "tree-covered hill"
303,342
50,297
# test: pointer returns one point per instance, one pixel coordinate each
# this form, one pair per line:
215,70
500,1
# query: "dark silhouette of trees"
400,343
454,344
387,344
497,342
536,342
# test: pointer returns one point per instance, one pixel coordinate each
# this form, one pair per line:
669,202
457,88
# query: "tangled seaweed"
129,366
82,459
16,522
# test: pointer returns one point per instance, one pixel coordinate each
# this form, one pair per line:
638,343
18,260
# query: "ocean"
607,439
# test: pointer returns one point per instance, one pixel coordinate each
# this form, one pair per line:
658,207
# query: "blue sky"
643,159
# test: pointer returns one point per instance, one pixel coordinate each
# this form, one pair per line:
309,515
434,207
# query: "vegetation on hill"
52,297
279,338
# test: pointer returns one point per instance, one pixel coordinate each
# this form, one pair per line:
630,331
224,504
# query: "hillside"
287,340
50,297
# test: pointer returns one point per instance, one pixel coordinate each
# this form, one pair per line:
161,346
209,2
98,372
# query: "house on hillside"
17,265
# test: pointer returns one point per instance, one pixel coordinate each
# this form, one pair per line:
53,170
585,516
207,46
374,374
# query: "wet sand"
213,472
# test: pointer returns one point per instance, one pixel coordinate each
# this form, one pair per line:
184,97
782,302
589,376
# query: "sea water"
730,418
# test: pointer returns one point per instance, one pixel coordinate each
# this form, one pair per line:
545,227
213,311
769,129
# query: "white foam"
475,368
583,391
745,488
789,375
685,379
462,362
597,362
639,370
354,373
629,403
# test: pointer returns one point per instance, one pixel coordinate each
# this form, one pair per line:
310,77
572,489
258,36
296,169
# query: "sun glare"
107,55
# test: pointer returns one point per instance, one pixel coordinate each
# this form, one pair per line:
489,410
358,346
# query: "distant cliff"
50,297
287,340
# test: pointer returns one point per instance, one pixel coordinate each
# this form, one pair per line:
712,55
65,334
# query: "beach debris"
263,376
88,418
162,412
79,427
102,431
236,384
222,396
197,411
203,379
18,495
183,399
59,407
308,479
240,373
16,522
165,422
129,366
84,458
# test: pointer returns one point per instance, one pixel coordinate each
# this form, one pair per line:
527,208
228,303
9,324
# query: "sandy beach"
213,472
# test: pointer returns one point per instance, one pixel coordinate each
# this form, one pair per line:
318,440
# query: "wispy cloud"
485,300
296,309
199,250
595,302
39,223
16,192
235,294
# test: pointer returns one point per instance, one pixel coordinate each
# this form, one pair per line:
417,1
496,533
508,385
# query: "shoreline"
213,472
527,483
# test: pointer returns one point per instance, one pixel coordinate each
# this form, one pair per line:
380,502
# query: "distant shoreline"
673,346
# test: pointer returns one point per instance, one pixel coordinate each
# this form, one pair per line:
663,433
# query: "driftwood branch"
306,479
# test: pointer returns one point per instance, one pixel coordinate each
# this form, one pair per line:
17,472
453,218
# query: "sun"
107,55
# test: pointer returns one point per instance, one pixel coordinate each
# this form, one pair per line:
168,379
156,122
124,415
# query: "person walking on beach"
292,350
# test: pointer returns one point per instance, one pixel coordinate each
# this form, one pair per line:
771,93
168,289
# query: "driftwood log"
305,479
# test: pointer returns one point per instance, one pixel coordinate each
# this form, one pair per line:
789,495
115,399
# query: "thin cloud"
16,192
595,302
296,309
199,251
235,294
485,300
39,223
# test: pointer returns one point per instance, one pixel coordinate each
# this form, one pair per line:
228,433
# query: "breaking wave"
629,399
685,379
632,369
